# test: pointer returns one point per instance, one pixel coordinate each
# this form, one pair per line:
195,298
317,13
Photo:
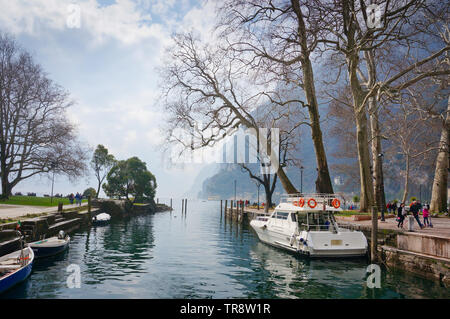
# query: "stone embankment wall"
49,225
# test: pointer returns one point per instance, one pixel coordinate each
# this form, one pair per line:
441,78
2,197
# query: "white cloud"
123,20
108,67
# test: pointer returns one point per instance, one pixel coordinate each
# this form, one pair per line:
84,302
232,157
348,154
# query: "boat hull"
50,247
283,241
42,252
12,279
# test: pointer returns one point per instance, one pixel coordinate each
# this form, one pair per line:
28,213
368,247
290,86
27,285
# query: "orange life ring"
336,203
313,200
301,202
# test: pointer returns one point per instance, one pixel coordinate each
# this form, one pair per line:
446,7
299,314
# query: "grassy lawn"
35,201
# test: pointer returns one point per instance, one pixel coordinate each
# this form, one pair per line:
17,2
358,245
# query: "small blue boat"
15,268
50,246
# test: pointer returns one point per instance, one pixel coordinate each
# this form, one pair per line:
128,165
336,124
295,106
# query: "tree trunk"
323,182
366,198
6,186
366,201
268,198
440,183
98,190
405,192
377,161
287,185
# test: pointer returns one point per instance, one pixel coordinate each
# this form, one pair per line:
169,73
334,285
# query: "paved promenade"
15,211
441,225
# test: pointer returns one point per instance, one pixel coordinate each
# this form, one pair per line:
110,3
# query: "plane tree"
36,136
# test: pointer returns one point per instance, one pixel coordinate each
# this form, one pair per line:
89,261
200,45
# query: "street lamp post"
301,179
259,185
382,208
52,167
235,191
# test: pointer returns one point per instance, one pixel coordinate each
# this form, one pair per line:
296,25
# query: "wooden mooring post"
226,204
373,244
185,206
182,206
171,205
89,203
231,207
220,207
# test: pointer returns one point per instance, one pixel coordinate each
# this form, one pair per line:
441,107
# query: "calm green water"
202,256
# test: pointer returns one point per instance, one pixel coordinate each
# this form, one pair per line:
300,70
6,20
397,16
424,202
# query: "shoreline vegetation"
36,201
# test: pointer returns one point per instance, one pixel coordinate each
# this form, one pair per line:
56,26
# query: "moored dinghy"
101,219
50,246
15,268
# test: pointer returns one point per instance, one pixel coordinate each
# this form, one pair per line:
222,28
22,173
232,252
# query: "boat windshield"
316,221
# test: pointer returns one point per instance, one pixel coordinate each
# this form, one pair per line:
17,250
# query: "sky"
106,54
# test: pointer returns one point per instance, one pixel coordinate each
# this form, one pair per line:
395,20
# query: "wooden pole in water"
171,204
373,246
226,202
185,207
220,207
89,203
182,206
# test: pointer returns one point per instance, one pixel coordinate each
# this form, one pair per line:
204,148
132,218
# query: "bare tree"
35,135
411,137
206,84
279,38
348,22
288,147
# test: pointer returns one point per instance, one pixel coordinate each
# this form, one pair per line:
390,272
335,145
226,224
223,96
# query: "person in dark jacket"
400,215
414,209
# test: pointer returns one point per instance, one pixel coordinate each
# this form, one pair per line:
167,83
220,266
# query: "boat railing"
320,199
318,226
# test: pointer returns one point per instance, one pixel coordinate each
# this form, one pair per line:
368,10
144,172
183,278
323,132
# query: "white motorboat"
101,219
305,224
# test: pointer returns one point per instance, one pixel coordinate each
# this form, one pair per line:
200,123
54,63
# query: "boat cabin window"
282,215
302,221
316,221
294,217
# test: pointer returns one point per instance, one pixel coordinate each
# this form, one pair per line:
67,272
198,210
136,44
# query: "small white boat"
305,224
100,219
15,268
50,246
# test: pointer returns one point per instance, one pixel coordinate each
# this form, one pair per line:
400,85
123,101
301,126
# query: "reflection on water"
202,255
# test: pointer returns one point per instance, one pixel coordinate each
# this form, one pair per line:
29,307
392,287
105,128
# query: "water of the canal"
202,255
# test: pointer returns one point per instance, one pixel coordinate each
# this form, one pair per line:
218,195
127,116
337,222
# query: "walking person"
79,201
71,198
414,209
426,214
77,198
401,213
